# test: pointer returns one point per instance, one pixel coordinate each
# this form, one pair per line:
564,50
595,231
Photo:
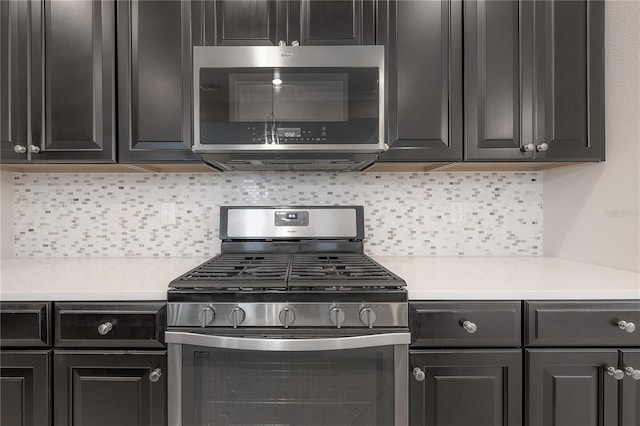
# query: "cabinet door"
154,80
498,81
331,22
423,40
73,81
14,56
466,388
106,388
630,396
25,386
569,39
245,23
571,387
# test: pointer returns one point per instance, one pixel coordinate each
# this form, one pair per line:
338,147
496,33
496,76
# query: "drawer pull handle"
629,327
615,373
418,374
470,327
155,375
105,328
635,374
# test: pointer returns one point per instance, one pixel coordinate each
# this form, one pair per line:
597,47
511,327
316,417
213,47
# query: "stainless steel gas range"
292,324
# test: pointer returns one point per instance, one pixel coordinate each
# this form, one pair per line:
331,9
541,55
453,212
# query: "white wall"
591,212
6,214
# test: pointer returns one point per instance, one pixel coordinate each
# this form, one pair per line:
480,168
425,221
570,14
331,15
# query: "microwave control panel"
290,135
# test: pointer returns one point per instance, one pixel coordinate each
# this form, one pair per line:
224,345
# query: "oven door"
227,380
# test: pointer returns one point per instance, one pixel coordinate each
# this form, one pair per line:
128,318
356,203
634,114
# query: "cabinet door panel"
498,81
245,23
424,52
77,65
467,388
569,73
630,396
334,22
14,54
109,388
154,90
571,388
25,381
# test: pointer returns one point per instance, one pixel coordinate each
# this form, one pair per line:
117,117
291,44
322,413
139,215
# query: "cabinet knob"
470,327
295,43
635,374
615,373
34,149
542,147
282,43
104,328
418,374
155,375
527,148
629,327
20,149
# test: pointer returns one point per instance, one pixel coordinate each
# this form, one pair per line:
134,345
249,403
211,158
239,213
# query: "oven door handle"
286,345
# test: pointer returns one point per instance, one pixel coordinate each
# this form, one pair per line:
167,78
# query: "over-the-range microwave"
289,108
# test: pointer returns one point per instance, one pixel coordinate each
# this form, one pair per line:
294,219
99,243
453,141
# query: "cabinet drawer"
582,323
100,324
25,324
442,324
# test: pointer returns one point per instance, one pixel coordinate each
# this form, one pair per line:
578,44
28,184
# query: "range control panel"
292,218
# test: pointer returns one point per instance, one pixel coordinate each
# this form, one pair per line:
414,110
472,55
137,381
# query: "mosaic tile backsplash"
80,215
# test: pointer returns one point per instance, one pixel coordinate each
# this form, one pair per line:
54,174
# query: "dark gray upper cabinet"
155,41
466,388
106,388
630,391
307,22
534,80
423,41
58,71
25,382
571,387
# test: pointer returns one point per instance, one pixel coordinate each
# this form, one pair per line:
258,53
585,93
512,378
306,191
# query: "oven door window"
288,106
235,387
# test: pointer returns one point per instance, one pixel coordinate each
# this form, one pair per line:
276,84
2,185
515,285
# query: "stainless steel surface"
261,223
635,374
174,385
284,345
470,327
542,147
283,57
418,374
34,149
401,388
368,317
20,149
155,375
528,147
236,316
287,316
105,328
206,315
307,314
337,316
615,373
629,327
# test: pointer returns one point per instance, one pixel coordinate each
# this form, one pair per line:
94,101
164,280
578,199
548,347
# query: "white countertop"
428,278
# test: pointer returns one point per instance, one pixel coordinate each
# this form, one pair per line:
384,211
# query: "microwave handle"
288,345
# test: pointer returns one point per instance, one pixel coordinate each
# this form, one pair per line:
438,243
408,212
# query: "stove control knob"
337,317
367,316
206,315
236,316
287,316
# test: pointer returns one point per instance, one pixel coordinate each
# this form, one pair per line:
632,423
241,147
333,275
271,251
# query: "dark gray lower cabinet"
466,388
107,388
630,396
25,381
570,387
